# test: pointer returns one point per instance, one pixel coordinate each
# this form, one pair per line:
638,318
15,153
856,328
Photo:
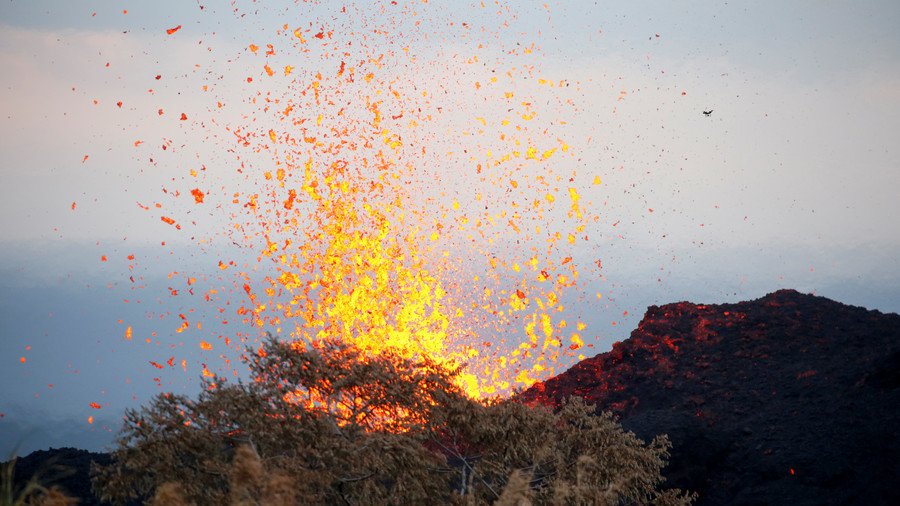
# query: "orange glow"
375,219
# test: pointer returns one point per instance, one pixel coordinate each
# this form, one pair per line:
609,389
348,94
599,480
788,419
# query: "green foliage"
329,425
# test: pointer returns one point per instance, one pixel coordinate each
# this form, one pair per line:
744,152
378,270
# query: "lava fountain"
398,194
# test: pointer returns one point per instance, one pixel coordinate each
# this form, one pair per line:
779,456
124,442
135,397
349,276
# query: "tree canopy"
328,424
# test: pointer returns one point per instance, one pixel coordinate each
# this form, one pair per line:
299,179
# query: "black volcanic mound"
65,468
788,399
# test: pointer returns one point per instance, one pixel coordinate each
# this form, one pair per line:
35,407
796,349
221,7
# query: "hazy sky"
791,182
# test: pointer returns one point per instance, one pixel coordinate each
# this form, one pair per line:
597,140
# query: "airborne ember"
384,207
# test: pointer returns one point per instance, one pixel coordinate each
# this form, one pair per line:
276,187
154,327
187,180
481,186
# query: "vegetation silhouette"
329,424
34,492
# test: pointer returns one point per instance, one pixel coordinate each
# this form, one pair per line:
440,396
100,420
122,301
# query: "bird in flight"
707,113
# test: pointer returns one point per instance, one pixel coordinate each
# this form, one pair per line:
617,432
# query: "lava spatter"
394,196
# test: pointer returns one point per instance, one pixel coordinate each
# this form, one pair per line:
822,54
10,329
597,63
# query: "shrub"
327,424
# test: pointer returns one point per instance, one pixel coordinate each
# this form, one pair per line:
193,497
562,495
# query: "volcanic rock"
65,468
788,399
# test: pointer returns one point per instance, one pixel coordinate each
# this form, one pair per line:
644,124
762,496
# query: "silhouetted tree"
328,424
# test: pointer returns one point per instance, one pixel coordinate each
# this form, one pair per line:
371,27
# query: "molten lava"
380,211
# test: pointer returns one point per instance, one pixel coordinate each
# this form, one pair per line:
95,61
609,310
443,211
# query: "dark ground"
65,468
788,399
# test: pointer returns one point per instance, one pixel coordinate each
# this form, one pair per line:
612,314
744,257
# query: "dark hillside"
788,399
65,468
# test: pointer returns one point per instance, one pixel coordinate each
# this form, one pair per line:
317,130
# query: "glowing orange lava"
389,213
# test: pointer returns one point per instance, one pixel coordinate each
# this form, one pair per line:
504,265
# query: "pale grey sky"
792,181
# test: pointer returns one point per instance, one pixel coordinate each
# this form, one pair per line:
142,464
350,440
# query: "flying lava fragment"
433,213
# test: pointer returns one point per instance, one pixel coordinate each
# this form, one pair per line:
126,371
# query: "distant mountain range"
789,399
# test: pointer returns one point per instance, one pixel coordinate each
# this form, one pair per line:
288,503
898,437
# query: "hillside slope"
788,399
65,468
